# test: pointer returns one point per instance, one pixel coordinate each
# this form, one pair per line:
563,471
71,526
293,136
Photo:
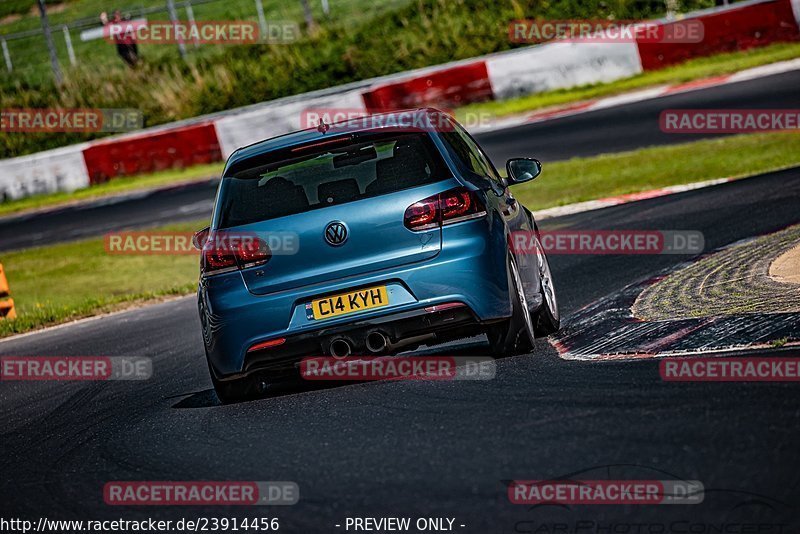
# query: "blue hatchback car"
366,239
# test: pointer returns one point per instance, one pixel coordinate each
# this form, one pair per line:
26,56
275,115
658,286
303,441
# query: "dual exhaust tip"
375,341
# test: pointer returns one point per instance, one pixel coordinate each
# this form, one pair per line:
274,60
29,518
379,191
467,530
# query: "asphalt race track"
635,125
141,210
608,130
424,449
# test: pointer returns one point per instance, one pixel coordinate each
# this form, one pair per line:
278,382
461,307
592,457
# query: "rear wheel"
228,391
514,335
547,319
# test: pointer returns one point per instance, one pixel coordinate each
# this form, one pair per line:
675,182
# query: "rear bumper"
470,269
415,327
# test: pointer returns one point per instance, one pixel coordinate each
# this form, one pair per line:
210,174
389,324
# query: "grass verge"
691,70
581,179
68,281
59,283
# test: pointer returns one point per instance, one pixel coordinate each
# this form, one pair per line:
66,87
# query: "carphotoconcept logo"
70,120
203,493
694,121
74,368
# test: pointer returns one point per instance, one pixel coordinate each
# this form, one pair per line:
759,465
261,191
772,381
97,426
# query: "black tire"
228,391
514,335
546,320
545,323
237,390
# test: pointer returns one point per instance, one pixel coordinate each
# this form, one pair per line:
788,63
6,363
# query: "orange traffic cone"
7,310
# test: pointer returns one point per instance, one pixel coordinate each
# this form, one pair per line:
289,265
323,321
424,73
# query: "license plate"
354,301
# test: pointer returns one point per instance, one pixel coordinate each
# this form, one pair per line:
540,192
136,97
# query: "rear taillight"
452,206
225,251
423,214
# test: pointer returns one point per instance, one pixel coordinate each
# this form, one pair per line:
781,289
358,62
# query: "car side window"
462,150
470,153
487,169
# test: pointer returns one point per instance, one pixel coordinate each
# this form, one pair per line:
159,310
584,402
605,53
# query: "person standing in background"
126,42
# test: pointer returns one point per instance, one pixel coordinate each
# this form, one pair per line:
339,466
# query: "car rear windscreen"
333,172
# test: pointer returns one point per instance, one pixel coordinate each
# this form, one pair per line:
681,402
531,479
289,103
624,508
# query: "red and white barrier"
448,86
559,65
61,169
153,151
552,65
262,122
727,29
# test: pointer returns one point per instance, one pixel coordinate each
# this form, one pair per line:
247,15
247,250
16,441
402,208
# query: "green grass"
691,70
63,282
114,187
31,60
19,8
581,179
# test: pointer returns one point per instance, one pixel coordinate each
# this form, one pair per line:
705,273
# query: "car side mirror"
521,170
199,238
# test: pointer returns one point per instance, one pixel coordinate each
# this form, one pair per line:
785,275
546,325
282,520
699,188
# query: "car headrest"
281,196
338,192
407,168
